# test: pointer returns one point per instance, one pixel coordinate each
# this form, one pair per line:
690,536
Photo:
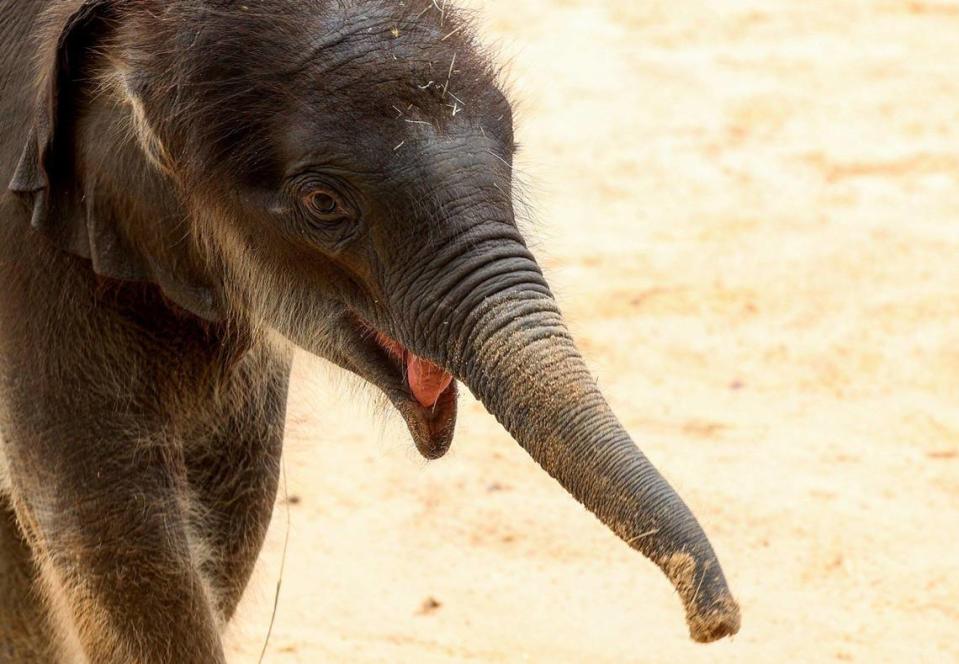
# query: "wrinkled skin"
192,187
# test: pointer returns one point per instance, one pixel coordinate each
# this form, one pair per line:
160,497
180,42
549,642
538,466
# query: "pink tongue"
427,381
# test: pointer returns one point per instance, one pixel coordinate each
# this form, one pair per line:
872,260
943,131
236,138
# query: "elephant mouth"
423,393
426,381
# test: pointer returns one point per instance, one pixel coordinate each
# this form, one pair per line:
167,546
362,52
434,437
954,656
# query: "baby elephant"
193,187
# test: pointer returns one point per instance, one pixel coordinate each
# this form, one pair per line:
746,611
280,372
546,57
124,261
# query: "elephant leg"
110,535
233,481
26,636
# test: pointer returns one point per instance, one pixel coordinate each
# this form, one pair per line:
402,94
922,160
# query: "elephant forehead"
380,59
358,83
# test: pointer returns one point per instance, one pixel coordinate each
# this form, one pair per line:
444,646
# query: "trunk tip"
722,619
711,611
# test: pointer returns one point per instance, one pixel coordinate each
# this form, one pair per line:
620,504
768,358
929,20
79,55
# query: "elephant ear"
64,204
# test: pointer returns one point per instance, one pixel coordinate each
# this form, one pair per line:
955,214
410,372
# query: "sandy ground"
750,212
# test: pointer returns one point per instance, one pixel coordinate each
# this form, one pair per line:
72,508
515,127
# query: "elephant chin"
432,428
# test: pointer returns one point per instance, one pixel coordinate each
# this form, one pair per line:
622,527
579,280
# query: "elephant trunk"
511,347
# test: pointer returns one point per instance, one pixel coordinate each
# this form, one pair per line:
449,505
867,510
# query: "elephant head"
342,173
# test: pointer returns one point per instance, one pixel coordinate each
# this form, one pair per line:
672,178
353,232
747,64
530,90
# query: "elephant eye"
324,204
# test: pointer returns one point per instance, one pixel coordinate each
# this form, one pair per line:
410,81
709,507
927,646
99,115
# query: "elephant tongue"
427,381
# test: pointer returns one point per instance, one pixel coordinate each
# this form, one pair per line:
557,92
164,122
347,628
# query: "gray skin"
194,187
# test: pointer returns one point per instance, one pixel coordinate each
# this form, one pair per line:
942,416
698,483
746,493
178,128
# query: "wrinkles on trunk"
513,350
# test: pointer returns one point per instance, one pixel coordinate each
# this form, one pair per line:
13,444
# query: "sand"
750,213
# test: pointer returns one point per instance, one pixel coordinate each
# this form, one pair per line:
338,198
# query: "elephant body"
155,280
117,404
